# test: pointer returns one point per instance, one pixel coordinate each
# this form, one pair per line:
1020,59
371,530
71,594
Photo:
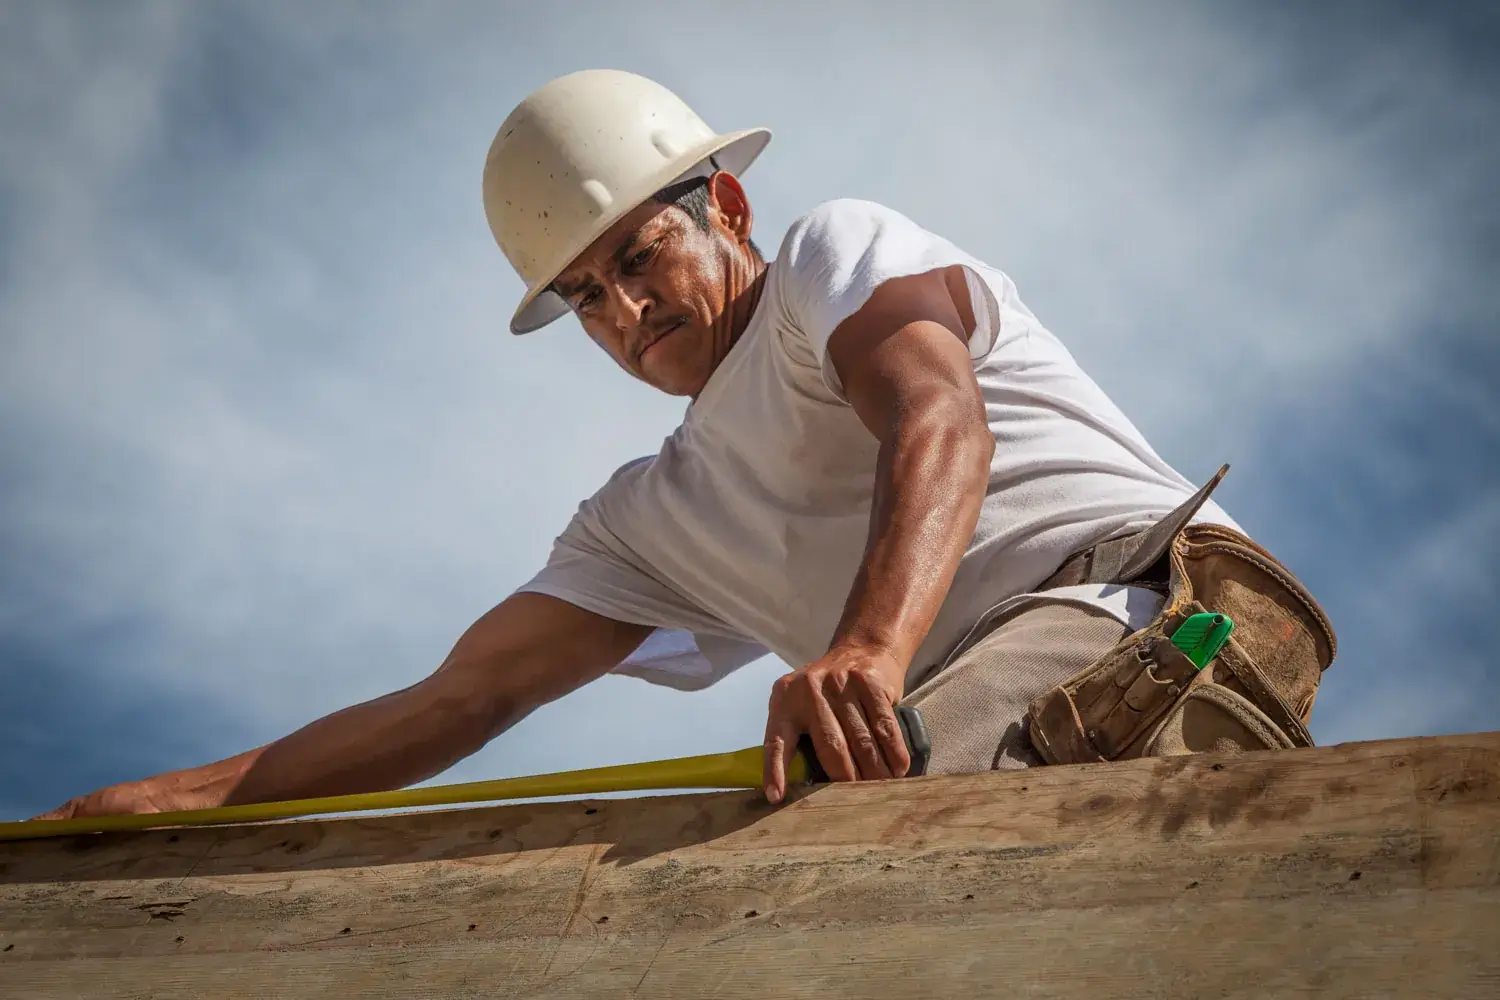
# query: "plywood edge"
976,884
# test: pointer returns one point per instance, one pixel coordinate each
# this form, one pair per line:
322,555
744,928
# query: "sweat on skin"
881,442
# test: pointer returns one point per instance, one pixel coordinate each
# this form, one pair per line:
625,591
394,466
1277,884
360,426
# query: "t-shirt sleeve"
835,257
592,567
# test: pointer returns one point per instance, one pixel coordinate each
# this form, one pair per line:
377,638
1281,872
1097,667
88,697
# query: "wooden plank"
1363,870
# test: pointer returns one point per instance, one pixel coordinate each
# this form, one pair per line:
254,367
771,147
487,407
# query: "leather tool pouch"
1145,698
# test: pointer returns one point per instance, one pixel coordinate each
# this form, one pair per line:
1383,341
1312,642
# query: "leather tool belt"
1145,698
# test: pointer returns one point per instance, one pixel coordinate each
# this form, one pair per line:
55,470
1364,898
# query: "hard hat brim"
733,151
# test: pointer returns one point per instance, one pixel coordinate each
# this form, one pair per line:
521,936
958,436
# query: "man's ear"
728,207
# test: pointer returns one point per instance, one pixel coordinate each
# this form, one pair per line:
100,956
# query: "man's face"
657,292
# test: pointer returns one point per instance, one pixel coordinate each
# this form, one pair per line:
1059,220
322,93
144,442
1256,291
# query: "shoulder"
841,227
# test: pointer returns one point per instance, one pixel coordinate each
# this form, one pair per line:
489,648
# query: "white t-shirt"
742,535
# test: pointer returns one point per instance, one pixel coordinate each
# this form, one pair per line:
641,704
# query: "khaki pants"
974,708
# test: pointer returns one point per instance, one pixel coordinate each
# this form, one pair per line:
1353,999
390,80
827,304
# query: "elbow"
496,711
491,717
470,715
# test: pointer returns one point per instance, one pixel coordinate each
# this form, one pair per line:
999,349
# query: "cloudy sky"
266,448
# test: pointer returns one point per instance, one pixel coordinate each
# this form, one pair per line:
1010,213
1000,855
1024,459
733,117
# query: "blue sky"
266,447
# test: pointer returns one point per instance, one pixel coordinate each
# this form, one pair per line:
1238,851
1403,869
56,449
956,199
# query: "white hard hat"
578,154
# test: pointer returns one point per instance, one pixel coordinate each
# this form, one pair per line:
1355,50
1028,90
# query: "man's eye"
588,298
640,257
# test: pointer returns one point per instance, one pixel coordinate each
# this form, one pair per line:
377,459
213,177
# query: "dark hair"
691,195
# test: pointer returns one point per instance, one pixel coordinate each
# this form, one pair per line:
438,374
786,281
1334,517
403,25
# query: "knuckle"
873,683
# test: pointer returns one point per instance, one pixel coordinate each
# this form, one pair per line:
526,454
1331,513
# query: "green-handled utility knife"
1202,636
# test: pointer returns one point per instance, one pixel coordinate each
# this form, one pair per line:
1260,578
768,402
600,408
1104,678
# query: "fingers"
68,810
777,757
864,745
829,741
847,713
882,716
798,706
782,732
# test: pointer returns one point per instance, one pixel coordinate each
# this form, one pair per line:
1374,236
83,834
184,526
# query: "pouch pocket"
1213,719
1146,698
1108,708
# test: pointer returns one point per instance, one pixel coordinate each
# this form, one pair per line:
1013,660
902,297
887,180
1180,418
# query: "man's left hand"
845,701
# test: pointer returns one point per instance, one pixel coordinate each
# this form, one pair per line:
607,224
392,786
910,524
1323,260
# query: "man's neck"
746,299
747,281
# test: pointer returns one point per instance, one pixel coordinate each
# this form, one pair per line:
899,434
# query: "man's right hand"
525,652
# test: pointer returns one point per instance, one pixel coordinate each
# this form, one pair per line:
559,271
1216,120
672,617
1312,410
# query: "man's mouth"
659,336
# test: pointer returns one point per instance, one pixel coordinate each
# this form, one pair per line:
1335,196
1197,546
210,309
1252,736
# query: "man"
889,473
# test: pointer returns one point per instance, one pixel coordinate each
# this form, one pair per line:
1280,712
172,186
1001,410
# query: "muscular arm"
904,364
525,652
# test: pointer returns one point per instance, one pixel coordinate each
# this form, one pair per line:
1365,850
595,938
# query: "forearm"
931,476
389,742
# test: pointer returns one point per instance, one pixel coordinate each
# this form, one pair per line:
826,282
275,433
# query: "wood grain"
1362,870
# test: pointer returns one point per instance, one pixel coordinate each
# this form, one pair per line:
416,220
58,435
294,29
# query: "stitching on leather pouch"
1292,586
1228,699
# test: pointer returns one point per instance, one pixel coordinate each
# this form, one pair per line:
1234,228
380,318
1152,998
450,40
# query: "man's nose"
632,305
